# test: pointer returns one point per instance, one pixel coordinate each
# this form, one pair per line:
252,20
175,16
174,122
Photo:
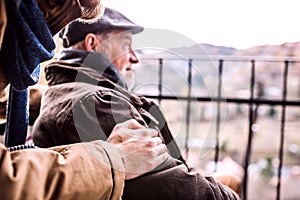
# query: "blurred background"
227,76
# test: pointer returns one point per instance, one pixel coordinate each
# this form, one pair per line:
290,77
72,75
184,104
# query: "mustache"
92,14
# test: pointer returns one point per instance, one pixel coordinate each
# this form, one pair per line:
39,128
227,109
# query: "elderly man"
94,170
87,97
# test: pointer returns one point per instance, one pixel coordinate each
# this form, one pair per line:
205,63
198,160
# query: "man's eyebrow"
126,36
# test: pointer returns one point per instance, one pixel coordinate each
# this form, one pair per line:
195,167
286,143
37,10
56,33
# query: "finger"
160,159
151,152
124,130
132,124
160,149
152,142
139,133
114,137
145,132
145,146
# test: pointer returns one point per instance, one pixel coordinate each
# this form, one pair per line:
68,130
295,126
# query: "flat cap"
111,20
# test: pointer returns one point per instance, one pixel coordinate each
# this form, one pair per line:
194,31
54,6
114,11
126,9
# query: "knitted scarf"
27,42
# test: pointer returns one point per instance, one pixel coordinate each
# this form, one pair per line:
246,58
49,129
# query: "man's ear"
91,41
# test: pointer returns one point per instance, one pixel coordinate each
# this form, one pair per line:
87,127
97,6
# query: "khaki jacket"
80,171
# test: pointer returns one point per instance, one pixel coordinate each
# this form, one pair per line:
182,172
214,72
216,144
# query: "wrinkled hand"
141,148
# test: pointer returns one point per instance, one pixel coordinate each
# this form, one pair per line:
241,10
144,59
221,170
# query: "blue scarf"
27,42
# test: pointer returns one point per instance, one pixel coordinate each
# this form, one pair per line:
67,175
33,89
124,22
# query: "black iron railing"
253,101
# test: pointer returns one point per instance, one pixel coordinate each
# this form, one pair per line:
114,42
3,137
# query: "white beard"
130,80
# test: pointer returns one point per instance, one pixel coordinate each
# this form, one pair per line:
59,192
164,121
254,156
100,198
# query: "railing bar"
227,100
160,80
282,126
230,58
217,152
250,134
188,110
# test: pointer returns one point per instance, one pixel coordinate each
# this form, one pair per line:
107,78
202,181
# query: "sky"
239,24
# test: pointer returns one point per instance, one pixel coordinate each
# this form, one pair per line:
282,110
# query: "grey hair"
81,44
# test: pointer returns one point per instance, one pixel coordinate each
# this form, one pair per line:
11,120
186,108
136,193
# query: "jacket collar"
82,66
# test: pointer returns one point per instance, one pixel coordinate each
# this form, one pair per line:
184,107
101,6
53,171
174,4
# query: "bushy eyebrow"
126,36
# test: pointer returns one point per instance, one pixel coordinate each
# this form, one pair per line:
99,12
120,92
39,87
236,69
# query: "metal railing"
253,101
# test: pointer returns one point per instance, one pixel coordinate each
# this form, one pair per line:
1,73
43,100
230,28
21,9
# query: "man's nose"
133,57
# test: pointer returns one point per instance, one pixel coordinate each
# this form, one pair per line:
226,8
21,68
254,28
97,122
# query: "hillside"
283,50
205,71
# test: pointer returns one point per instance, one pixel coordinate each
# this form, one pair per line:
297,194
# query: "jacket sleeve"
172,180
91,170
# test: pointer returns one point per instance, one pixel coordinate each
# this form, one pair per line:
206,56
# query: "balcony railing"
253,83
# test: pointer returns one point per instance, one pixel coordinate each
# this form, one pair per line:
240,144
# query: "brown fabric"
59,13
174,181
84,103
35,94
3,20
75,112
78,171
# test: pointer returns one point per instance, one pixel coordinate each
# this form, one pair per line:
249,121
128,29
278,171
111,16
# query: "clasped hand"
141,148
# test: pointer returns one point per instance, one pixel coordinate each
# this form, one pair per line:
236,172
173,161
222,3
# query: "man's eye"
126,46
